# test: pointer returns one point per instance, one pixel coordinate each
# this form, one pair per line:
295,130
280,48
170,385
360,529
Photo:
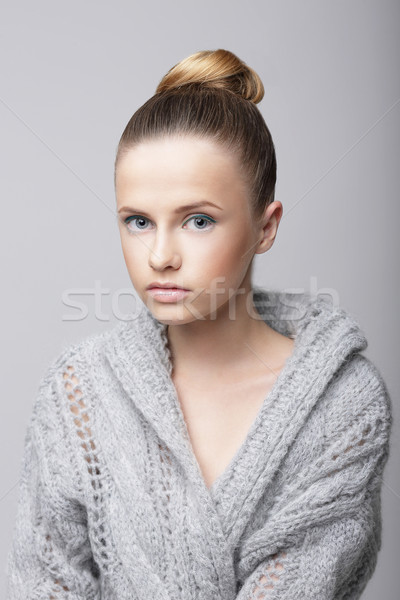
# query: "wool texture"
112,502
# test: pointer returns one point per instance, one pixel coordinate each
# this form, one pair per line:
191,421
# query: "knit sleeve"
50,555
323,542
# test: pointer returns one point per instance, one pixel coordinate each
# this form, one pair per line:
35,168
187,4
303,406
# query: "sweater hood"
325,336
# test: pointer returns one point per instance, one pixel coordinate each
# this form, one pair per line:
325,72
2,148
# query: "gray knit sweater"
112,502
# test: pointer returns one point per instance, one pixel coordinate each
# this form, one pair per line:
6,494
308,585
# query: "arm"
50,556
334,562
323,541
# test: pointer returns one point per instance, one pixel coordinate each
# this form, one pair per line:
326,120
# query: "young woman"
227,442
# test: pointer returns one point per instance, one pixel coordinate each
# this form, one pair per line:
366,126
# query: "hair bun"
215,68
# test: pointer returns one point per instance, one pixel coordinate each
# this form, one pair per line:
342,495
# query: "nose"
163,254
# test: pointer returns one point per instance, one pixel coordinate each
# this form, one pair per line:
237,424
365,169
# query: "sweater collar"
324,337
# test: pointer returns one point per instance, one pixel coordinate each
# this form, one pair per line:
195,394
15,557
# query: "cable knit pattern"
112,503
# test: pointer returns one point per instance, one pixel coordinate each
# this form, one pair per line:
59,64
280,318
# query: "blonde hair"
218,68
212,94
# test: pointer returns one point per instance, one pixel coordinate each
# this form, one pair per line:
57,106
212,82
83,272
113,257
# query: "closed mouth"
166,287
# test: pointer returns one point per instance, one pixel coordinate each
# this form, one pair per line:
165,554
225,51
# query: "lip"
167,295
167,285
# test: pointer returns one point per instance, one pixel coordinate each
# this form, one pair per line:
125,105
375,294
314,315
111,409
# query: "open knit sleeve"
323,542
50,557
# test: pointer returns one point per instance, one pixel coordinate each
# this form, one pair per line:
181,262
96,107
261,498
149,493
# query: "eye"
205,222
140,221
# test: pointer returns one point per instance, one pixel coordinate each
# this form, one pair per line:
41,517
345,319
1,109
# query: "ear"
269,224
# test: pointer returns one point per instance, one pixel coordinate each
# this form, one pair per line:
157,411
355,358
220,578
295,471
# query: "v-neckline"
268,401
243,448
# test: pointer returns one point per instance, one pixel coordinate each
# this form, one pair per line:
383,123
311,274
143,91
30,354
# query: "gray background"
72,73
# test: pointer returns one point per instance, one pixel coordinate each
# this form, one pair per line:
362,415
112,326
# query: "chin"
174,313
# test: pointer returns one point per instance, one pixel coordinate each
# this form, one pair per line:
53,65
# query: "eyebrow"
178,210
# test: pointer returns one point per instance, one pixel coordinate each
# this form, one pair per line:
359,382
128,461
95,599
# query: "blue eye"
138,220
203,219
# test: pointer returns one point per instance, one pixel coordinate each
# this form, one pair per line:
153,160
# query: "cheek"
223,256
135,254
233,248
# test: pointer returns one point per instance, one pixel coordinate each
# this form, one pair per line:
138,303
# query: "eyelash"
210,220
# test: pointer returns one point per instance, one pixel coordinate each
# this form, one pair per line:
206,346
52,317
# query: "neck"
230,341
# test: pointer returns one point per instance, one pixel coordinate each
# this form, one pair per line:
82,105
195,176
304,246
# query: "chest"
218,418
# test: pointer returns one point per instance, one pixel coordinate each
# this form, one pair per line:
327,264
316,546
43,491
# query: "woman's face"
205,248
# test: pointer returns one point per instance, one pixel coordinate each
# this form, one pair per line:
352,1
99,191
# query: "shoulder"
75,364
360,381
356,403
79,353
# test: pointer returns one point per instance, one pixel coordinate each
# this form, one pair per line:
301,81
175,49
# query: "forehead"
185,159
178,162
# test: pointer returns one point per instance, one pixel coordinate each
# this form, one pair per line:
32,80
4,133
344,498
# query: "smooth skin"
225,357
